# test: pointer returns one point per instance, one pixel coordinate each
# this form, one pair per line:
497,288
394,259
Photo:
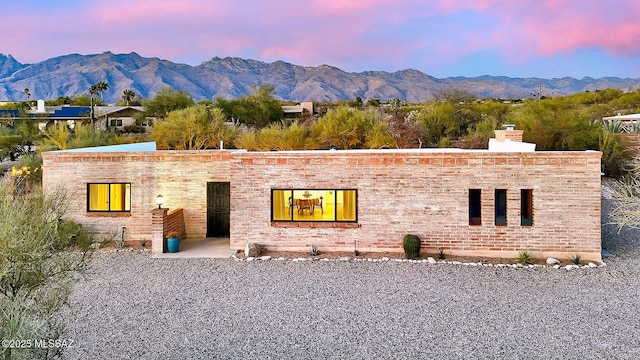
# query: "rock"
265,258
552,261
345,258
385,259
252,249
592,265
95,246
431,260
250,258
569,267
556,266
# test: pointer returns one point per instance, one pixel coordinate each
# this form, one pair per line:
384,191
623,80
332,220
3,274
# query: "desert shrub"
524,257
134,129
614,157
576,259
41,254
411,245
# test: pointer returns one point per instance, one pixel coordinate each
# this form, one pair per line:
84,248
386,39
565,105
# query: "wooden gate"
218,200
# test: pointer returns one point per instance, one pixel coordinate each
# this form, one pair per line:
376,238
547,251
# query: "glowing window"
314,205
109,197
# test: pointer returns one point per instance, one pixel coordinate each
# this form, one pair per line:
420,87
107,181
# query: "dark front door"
218,196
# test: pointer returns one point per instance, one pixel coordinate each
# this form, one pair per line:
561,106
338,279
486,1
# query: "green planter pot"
173,244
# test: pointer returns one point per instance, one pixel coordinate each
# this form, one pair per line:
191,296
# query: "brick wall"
426,193
423,192
175,222
179,176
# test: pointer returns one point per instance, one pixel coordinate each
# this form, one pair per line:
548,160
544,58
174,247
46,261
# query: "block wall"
179,176
425,193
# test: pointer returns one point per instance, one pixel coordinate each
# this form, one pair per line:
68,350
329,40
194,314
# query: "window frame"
127,205
500,203
475,206
335,208
526,207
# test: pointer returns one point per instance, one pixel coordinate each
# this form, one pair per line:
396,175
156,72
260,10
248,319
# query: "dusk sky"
442,38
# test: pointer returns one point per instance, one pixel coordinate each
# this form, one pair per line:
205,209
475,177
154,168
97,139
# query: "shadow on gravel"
621,243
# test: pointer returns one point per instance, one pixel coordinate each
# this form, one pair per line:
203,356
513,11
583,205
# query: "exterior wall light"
159,201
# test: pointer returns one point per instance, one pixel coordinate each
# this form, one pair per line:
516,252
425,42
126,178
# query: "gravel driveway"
132,306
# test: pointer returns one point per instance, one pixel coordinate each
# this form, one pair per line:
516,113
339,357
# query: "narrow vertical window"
526,207
501,207
347,210
282,205
475,208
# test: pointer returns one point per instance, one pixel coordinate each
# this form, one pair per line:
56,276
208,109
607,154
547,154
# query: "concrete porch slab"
200,248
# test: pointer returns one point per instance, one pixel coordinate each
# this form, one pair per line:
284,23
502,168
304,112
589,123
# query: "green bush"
411,244
524,257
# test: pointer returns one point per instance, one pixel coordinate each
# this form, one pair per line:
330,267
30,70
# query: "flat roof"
145,146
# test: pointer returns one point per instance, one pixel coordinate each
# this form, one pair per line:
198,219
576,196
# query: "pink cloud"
552,26
356,35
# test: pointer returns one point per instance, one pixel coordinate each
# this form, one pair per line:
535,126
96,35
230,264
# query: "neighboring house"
106,116
118,117
299,110
464,202
625,119
629,131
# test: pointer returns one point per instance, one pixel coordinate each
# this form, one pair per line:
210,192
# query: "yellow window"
109,197
346,205
282,205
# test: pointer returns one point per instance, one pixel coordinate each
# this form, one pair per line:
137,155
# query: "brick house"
465,202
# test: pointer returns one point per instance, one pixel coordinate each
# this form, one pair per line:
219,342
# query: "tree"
276,136
348,128
165,101
60,138
194,128
40,255
96,90
128,95
258,109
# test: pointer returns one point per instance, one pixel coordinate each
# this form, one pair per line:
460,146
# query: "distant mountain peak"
231,77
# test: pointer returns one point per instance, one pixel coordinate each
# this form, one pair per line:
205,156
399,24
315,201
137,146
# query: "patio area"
200,248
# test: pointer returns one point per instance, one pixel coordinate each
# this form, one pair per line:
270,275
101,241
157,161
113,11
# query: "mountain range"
232,77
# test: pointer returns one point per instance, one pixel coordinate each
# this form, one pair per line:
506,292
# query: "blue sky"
545,38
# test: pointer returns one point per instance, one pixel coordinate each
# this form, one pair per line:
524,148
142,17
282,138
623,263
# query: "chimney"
509,133
40,108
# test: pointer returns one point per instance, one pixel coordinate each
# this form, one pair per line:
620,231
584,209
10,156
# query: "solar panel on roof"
72,111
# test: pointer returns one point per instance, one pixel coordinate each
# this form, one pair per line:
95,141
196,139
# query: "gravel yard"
131,306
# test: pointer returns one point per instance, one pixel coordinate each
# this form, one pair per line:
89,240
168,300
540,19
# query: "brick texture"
423,192
426,193
179,176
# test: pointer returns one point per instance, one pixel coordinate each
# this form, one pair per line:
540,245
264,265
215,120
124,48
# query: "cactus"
314,250
411,244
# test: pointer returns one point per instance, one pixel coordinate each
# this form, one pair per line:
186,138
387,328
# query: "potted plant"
173,241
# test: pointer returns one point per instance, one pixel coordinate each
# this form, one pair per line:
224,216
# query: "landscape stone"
252,249
552,261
